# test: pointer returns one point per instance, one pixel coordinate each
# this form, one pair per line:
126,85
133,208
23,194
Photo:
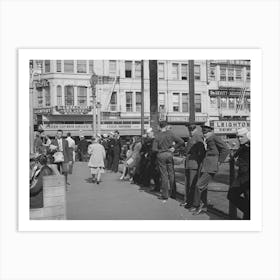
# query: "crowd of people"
149,162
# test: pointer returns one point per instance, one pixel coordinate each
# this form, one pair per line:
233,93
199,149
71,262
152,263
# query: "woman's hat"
149,130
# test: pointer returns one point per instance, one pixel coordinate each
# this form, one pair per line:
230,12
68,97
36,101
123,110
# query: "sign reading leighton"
229,127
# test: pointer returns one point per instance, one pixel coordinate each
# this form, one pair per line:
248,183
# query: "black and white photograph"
140,139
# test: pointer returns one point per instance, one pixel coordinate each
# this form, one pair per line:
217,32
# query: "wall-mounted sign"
70,126
229,127
227,92
72,110
185,119
42,111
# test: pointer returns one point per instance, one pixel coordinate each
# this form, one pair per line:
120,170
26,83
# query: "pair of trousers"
200,193
115,163
166,168
191,177
240,197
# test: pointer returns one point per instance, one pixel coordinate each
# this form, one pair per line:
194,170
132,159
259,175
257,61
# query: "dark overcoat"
216,152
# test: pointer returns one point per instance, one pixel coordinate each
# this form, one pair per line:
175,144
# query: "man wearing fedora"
239,193
194,153
216,153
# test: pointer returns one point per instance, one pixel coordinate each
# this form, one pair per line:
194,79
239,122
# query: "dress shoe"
183,204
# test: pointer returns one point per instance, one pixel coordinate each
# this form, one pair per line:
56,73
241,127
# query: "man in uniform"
216,153
195,153
164,146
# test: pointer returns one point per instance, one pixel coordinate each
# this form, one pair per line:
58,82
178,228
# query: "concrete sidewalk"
113,199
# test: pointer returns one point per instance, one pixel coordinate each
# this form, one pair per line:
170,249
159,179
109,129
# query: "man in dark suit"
195,153
116,151
62,146
239,193
216,153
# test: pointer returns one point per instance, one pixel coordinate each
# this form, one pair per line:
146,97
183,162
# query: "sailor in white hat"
243,135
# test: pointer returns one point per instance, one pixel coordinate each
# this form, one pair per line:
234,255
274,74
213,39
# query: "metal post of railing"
232,210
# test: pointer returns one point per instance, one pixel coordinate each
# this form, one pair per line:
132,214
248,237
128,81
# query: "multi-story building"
62,94
229,95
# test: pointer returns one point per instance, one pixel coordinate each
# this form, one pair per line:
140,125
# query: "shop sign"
73,110
42,111
70,126
185,119
226,92
122,126
229,127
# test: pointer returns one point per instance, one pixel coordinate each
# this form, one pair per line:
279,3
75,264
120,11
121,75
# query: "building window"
184,71
223,74
59,95
212,73
69,66
175,71
128,69
128,101
91,66
161,100
113,101
40,98
185,102
69,96
231,103
47,96
223,103
197,72
238,74
82,96
137,67
213,102
47,66
81,66
112,67
248,75
58,66
161,74
197,102
230,74
175,102
138,101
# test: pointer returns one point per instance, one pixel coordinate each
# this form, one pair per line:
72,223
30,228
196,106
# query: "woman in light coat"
96,162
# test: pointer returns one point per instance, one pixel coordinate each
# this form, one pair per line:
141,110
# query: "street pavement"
113,199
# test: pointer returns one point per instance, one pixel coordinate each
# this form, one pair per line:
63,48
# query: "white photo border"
25,224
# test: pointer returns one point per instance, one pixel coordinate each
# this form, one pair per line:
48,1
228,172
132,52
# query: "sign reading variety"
229,127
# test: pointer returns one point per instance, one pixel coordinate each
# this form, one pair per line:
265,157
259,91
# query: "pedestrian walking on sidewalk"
164,146
195,152
61,155
239,193
216,153
71,143
96,162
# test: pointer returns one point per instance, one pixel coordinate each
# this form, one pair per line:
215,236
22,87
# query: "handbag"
58,157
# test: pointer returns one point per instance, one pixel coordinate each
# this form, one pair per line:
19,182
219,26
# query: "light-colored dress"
97,156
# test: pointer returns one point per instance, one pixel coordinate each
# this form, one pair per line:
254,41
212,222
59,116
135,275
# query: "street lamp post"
93,81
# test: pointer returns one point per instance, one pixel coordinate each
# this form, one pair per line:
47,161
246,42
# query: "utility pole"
142,98
153,94
93,81
33,70
98,106
191,92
